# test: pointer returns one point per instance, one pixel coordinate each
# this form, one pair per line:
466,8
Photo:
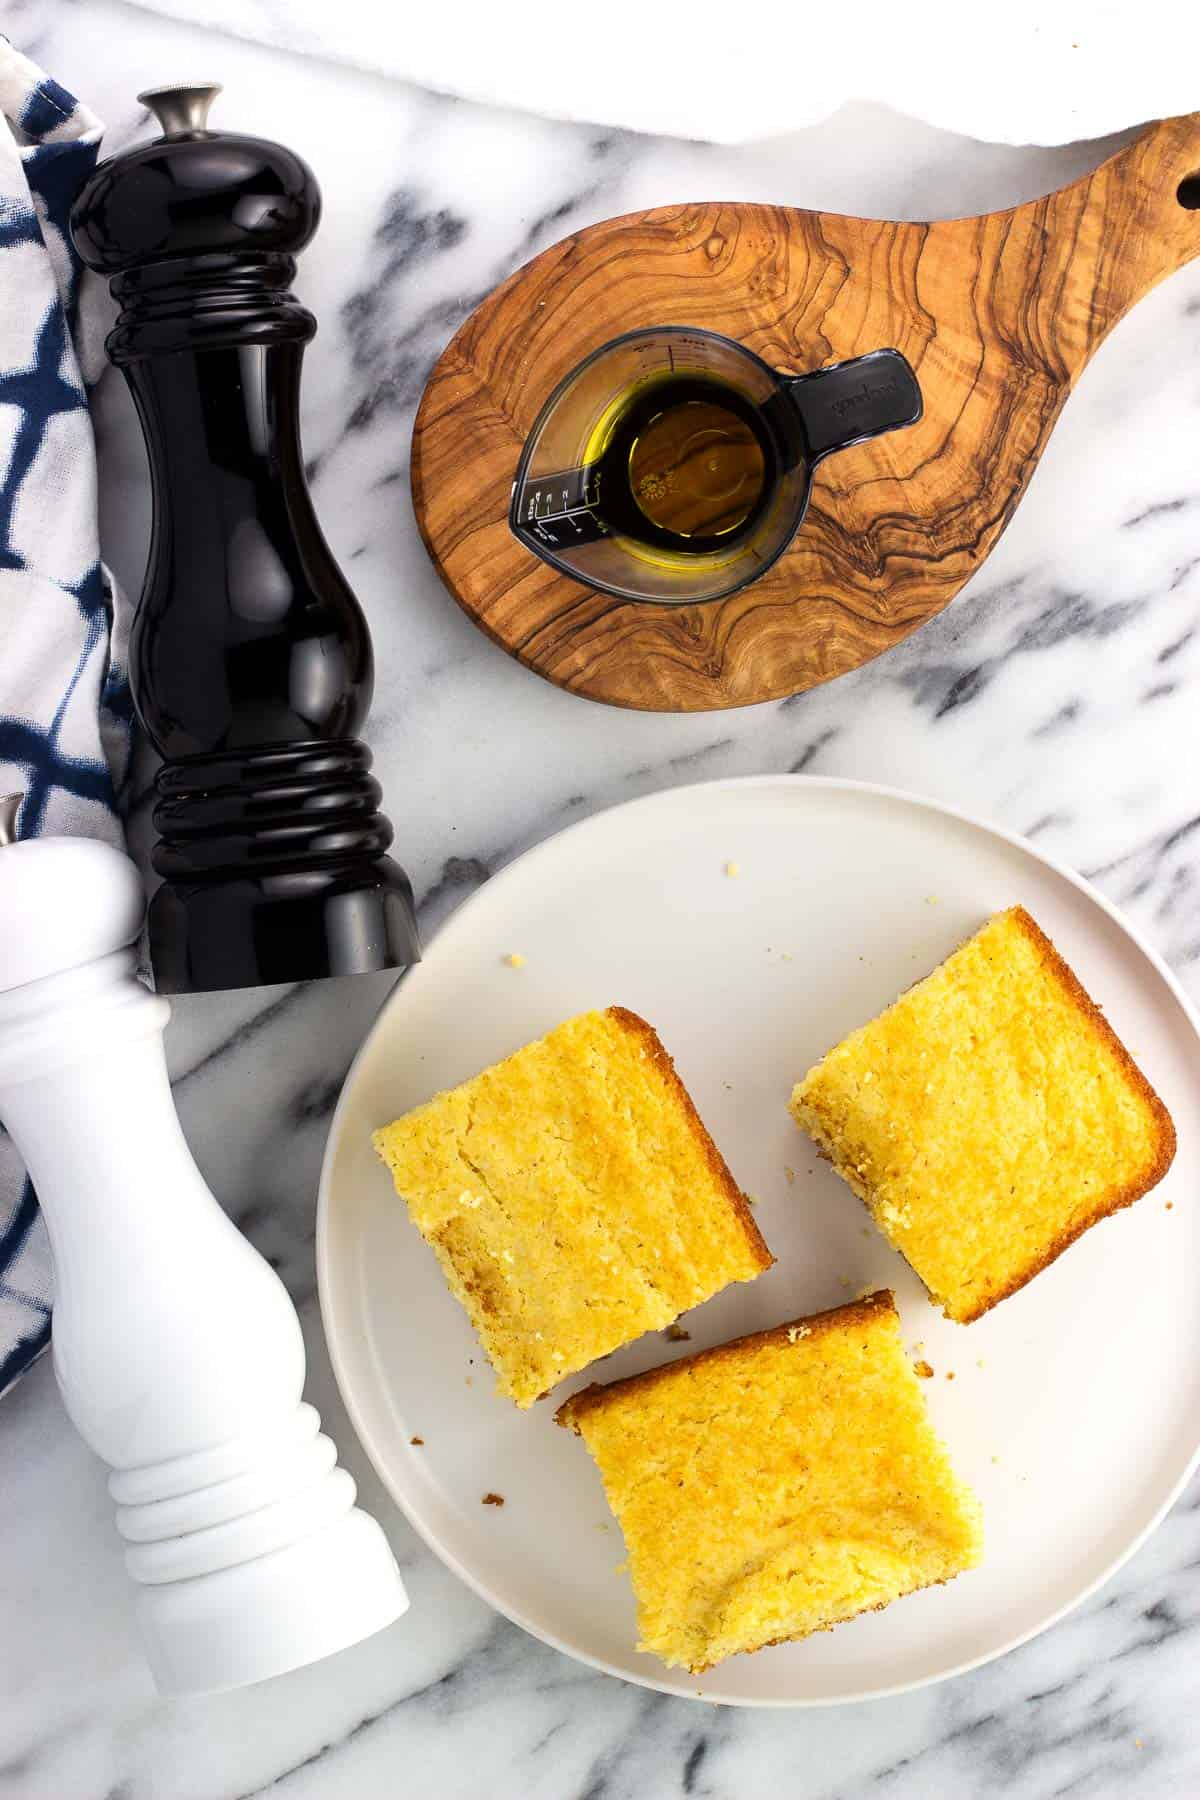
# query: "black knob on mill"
250,660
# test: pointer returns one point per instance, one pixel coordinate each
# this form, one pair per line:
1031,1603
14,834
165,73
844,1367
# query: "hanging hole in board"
1188,192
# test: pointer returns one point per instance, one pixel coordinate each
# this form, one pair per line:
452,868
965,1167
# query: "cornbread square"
989,1117
573,1199
777,1485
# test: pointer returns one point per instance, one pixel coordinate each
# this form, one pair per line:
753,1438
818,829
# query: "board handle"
1132,222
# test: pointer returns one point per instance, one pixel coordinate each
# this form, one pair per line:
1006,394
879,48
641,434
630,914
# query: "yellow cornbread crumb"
988,1117
777,1485
515,960
733,869
573,1199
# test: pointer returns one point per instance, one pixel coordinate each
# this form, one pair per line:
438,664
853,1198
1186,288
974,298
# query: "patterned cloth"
64,703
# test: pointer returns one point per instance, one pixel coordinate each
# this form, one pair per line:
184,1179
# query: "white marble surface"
1057,696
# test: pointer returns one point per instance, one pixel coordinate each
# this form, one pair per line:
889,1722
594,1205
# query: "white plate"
1075,1409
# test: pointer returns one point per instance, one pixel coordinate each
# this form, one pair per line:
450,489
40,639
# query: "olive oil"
682,463
673,465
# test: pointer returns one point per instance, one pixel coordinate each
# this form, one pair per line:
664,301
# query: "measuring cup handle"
855,400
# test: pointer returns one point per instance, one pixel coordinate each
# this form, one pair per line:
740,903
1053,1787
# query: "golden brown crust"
854,1312
828,1625
637,1027
1059,971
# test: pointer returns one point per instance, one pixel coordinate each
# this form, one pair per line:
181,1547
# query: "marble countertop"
1057,696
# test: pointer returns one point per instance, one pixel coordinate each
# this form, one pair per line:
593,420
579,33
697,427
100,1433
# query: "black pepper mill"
250,660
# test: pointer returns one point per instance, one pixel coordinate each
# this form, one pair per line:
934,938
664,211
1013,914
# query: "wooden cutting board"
997,314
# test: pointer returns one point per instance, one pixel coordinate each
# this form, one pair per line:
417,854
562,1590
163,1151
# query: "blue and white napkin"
64,703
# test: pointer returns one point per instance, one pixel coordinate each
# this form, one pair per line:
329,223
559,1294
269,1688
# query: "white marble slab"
1057,696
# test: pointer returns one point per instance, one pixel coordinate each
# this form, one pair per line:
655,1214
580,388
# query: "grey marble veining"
1057,696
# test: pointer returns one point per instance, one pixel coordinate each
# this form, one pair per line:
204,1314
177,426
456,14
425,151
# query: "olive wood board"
998,315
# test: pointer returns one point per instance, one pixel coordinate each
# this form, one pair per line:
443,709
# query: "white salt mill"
177,1349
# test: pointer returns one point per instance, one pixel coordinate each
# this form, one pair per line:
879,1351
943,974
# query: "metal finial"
10,806
182,106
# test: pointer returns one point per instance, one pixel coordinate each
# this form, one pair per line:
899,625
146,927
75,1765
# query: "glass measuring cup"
674,465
